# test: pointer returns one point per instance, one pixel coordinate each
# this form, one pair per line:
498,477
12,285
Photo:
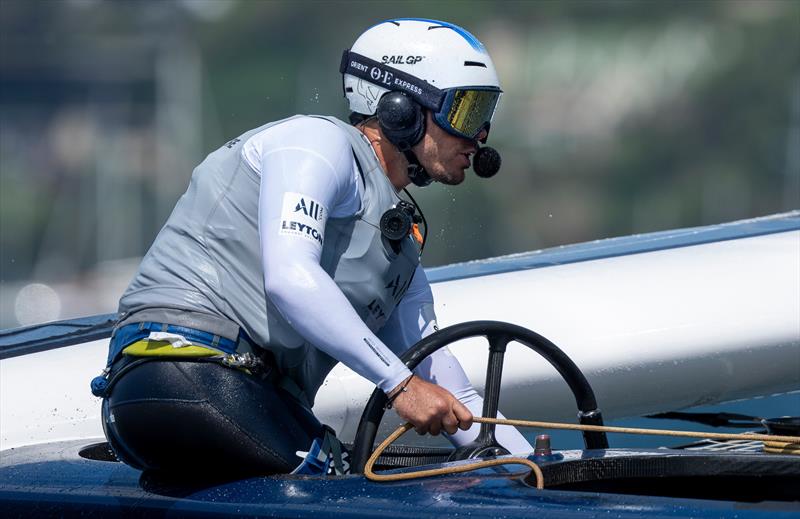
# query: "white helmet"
441,66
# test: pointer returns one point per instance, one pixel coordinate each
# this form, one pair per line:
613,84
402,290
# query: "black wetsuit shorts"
195,417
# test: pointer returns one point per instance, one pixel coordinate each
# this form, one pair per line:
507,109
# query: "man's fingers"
450,424
463,415
432,409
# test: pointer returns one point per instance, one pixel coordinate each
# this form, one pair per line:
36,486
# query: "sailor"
291,250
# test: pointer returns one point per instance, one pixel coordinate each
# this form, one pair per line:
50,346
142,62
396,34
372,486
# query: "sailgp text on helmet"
440,66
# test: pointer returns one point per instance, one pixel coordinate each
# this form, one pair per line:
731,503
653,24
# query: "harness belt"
145,341
131,333
139,342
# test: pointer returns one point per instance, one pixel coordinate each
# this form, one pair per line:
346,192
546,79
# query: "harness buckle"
242,361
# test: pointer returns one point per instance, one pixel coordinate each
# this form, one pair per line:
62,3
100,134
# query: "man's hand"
430,408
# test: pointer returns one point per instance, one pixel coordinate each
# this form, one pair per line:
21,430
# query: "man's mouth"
468,156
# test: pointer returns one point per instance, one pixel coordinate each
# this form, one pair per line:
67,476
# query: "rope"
782,448
373,476
633,430
772,444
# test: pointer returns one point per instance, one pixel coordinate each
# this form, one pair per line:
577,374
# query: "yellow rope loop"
773,447
772,444
373,476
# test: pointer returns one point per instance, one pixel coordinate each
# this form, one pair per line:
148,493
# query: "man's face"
445,156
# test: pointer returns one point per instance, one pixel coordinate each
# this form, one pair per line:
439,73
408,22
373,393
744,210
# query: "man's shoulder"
301,130
328,122
325,138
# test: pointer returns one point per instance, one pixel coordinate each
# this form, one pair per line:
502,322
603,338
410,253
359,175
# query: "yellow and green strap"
148,348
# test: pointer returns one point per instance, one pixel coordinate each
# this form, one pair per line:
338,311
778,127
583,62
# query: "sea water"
786,404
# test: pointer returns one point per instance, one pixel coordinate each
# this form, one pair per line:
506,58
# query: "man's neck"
393,162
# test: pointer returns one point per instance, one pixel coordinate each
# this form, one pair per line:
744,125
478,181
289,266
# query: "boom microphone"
486,162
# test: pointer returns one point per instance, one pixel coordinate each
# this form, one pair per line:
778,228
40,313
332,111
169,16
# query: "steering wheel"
498,334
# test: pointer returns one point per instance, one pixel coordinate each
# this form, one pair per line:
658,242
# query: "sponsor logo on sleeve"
303,216
311,208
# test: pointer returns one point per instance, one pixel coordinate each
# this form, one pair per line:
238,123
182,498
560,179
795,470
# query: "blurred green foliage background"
618,117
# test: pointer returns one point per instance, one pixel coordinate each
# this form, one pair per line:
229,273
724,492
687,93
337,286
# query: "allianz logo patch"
303,216
310,208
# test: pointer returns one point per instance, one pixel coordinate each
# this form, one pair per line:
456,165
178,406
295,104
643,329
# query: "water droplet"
36,303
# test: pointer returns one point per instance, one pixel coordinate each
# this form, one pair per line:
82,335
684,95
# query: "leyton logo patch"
301,229
303,216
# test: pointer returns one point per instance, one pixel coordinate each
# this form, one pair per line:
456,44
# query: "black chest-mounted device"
400,221
396,222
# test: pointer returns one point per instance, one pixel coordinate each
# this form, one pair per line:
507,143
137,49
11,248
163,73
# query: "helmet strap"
416,171
391,78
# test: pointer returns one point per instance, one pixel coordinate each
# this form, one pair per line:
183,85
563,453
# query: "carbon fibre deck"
52,480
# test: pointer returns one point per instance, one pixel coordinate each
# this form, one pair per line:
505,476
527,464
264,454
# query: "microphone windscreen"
486,162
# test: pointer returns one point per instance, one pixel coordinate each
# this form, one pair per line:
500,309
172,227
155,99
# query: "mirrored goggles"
465,112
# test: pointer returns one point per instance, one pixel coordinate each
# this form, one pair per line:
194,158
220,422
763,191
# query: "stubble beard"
451,178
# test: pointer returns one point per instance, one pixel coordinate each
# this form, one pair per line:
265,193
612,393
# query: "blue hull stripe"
614,247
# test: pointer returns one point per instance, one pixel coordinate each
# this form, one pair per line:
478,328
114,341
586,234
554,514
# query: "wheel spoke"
494,376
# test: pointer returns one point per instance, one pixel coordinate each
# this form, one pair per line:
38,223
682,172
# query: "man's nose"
482,135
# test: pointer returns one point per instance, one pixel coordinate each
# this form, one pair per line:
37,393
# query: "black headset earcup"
401,119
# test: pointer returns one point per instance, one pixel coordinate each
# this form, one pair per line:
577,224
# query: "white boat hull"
652,331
